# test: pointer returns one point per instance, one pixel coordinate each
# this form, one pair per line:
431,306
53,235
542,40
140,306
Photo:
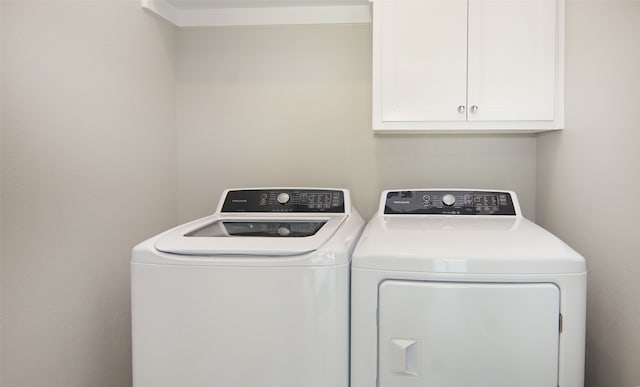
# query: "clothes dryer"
256,294
456,288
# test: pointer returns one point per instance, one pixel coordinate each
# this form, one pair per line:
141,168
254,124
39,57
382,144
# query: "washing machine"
455,288
256,294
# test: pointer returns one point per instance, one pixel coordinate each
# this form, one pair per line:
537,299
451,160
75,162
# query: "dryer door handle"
404,356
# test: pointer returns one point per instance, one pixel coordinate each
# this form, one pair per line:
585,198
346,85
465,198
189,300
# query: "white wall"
88,170
291,105
589,180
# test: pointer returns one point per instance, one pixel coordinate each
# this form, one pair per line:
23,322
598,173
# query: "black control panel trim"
284,200
452,202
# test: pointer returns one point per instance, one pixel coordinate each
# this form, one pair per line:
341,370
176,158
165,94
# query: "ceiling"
217,4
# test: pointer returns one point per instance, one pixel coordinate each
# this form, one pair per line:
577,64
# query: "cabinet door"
512,60
420,60
435,334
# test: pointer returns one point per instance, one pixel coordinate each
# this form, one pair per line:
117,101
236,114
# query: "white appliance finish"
468,65
456,288
211,307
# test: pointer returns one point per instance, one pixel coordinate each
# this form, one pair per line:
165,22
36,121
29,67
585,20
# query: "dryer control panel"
284,200
449,202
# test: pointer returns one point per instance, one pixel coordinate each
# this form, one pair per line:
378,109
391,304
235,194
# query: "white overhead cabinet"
468,65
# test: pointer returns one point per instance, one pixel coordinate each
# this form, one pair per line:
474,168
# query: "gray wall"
589,180
88,170
291,105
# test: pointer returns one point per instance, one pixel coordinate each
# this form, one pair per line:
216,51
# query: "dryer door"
434,334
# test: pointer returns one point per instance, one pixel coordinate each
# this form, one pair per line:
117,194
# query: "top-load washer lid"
259,228
267,222
460,231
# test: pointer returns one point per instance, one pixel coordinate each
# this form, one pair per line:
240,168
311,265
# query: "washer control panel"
284,200
452,202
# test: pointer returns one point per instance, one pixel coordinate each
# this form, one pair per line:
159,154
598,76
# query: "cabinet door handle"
461,109
474,109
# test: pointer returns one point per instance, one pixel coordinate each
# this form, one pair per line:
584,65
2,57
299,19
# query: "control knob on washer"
448,200
284,231
283,198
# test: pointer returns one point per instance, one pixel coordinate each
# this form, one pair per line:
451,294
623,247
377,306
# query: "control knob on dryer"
448,199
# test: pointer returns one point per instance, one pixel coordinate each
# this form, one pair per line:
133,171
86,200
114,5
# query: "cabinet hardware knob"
474,108
461,109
